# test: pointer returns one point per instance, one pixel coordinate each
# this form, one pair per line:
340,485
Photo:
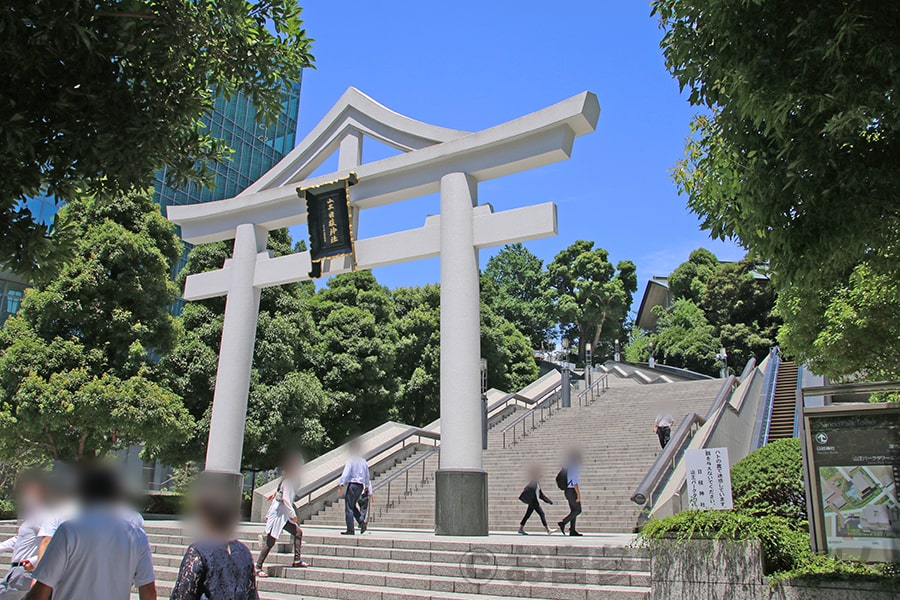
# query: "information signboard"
708,479
853,466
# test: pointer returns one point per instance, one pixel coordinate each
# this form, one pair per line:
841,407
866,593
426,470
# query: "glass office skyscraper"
257,147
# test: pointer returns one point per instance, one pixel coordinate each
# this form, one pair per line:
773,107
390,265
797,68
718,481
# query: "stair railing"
326,486
761,427
664,465
542,411
407,479
587,396
392,482
667,459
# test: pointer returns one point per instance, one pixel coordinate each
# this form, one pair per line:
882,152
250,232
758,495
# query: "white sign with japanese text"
708,476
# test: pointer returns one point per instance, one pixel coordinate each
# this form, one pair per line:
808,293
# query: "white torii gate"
434,159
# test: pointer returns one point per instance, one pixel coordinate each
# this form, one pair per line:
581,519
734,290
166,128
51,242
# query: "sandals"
261,573
300,565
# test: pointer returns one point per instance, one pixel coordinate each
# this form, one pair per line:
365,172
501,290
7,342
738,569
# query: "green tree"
418,361
354,354
286,400
76,374
592,295
514,284
849,329
685,339
739,302
795,155
511,364
689,279
510,357
102,94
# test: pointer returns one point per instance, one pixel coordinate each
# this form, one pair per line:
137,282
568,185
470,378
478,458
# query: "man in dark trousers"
573,492
532,495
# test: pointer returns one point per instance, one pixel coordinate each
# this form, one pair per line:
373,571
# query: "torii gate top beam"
540,138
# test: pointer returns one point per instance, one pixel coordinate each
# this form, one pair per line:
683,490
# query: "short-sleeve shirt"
96,555
664,420
573,472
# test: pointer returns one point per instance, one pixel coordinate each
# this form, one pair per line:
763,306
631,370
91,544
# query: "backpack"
562,479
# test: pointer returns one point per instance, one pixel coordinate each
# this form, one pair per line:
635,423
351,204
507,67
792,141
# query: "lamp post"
588,362
566,386
723,356
484,406
651,362
618,355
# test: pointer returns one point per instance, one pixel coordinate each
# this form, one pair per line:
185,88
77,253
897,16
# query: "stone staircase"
413,566
615,434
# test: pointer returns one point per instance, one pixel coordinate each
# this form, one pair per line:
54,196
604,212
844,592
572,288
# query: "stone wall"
724,570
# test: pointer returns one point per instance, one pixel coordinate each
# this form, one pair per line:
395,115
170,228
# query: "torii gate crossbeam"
435,160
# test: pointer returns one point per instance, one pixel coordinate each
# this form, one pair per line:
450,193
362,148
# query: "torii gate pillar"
461,493
434,159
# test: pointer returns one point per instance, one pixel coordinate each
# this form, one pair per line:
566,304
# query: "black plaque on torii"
330,221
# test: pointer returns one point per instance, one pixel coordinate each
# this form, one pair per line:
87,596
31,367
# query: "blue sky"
470,65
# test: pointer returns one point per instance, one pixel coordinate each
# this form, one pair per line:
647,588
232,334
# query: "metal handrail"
667,459
404,472
306,492
761,427
550,397
600,385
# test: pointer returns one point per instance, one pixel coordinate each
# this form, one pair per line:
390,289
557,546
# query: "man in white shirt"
96,554
662,427
31,494
356,480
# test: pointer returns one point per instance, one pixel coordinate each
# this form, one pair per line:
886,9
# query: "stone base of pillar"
222,485
461,502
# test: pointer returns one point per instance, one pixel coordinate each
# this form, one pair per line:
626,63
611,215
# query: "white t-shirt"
96,555
56,517
664,420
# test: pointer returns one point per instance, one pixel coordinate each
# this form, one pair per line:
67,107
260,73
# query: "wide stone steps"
615,435
406,565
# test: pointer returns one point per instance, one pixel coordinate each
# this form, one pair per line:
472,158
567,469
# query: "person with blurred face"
282,516
31,495
532,495
356,481
662,427
217,566
572,492
96,554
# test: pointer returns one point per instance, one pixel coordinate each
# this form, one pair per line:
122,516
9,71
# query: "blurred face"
534,472
31,497
355,448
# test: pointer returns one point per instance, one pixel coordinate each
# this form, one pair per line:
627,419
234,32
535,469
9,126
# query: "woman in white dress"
282,516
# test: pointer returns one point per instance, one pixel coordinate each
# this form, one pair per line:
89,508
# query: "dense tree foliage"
354,352
514,285
684,337
796,155
76,374
689,279
592,295
849,329
715,305
99,95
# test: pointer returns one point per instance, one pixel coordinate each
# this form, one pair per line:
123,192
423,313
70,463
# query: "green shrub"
784,547
829,568
769,482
